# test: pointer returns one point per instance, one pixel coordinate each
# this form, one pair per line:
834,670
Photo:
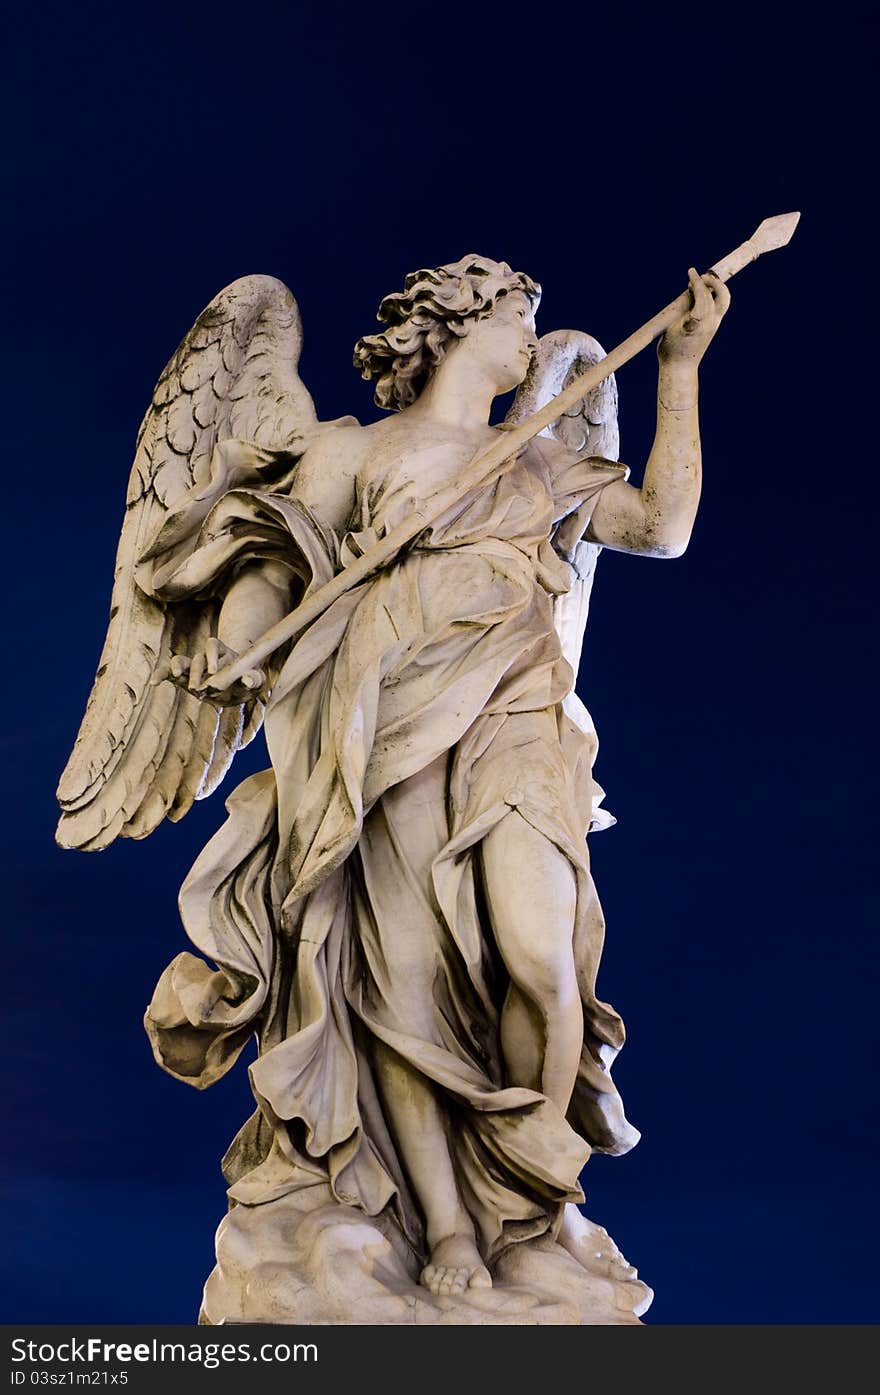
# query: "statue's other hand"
688,339
189,672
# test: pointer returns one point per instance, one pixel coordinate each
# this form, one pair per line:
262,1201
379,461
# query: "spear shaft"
490,464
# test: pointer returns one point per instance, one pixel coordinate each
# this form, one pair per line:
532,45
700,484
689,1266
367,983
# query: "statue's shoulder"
336,449
380,436
336,437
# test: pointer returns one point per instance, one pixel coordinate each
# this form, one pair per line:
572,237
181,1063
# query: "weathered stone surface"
401,907
281,1262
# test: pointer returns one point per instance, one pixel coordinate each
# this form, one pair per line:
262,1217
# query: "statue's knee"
548,979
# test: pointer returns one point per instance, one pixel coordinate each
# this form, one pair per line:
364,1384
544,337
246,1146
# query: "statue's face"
503,343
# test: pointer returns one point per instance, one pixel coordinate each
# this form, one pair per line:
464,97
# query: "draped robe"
341,902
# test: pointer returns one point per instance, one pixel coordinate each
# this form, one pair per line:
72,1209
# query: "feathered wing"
590,428
144,751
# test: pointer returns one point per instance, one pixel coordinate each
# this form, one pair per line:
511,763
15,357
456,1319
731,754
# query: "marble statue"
400,908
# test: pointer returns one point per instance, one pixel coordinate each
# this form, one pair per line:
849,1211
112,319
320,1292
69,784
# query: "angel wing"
590,428
143,751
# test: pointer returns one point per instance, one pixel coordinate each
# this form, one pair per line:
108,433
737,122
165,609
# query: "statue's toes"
480,1278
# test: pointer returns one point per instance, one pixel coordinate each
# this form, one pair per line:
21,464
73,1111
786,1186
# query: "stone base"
305,1259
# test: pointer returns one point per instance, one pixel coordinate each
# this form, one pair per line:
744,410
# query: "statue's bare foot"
592,1246
454,1266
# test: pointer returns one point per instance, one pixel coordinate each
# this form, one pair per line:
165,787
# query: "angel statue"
400,908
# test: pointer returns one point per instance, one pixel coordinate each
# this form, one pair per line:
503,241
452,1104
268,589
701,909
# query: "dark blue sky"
155,153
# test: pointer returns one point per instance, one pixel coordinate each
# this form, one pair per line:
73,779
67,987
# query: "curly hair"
426,317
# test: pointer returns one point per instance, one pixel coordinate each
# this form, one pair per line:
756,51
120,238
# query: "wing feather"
229,733
145,751
193,774
252,723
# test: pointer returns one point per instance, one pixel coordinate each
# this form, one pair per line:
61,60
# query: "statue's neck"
458,394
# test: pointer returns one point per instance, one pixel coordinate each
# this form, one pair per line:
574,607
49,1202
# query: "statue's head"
436,309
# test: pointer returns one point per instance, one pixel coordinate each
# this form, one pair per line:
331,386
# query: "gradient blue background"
153,155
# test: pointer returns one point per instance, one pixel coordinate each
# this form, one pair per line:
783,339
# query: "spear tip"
775,232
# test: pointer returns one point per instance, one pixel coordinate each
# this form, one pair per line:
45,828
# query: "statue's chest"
398,476
423,466
402,477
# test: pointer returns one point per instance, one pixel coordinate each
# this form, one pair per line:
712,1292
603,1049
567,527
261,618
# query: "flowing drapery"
425,706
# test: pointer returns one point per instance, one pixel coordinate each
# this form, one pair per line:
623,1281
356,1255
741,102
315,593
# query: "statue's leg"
419,1126
400,840
521,1039
531,891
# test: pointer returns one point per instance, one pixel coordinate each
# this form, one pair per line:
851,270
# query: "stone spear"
490,464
